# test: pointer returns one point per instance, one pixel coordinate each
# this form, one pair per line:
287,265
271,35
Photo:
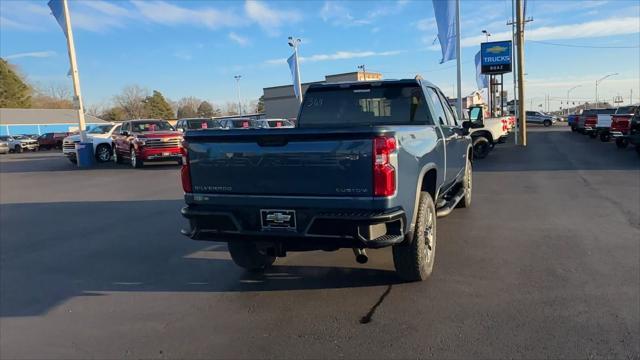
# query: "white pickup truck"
603,124
486,132
99,136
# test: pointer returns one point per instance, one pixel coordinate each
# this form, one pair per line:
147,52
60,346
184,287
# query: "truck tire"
605,136
467,184
103,153
546,123
73,160
573,128
414,260
247,255
481,147
135,162
622,143
593,134
17,149
638,149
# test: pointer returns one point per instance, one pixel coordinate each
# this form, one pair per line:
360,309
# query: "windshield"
626,110
197,124
100,129
20,137
364,105
150,126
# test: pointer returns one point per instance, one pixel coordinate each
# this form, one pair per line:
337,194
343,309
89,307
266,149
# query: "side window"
452,118
125,127
440,115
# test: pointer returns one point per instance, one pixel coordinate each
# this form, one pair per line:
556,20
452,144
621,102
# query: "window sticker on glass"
362,90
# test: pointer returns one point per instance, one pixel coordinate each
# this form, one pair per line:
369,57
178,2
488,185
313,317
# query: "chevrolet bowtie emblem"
278,217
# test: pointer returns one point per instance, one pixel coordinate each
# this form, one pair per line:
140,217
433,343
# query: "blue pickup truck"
369,165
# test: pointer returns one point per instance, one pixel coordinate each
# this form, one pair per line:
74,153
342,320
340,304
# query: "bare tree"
188,107
230,108
131,100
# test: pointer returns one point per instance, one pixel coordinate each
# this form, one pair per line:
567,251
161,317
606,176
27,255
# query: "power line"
585,46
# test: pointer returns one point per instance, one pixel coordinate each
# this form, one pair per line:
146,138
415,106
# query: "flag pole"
459,103
74,73
520,73
298,84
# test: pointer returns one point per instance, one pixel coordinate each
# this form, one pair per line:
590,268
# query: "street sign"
495,57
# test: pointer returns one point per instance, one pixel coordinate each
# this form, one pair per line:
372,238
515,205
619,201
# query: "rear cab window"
369,104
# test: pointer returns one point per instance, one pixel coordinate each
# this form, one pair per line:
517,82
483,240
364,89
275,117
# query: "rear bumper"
315,228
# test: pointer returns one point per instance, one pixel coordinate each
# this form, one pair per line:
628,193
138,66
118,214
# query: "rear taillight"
384,174
185,173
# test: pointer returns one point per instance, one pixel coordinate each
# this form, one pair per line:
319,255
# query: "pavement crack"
367,318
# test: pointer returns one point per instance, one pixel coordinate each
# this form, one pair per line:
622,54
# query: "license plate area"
278,219
166,154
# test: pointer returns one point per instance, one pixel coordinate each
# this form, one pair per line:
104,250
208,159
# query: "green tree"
260,106
157,107
186,111
205,109
14,92
114,114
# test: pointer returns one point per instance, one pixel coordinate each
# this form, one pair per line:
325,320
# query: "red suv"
141,141
52,140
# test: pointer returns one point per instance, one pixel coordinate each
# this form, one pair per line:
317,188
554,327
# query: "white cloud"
426,24
34,54
17,25
268,18
339,55
183,55
241,40
169,14
597,28
108,8
339,15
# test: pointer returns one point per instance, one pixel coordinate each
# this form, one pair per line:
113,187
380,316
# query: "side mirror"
466,125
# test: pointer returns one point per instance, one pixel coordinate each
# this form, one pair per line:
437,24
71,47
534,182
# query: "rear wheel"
605,137
481,147
467,184
17,149
414,260
247,255
622,143
593,134
116,158
546,123
573,128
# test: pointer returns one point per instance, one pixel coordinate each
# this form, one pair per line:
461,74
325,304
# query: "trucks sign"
495,57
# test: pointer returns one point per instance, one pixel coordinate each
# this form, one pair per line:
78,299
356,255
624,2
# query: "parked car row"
621,124
487,132
19,143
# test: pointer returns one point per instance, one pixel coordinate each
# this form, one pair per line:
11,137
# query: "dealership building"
40,121
281,102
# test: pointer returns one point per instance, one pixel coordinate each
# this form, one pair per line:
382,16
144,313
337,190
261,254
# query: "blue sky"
194,48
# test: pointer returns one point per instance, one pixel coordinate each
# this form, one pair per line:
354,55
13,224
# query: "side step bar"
448,207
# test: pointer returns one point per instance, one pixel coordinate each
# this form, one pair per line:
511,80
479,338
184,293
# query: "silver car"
537,117
4,147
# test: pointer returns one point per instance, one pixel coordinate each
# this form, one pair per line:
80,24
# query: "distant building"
475,98
40,121
281,102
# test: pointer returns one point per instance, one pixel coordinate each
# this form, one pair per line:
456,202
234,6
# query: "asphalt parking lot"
545,264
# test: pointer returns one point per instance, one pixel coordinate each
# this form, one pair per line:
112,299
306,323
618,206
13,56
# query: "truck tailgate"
311,162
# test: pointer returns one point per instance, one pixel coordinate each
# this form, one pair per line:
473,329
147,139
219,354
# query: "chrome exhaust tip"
361,256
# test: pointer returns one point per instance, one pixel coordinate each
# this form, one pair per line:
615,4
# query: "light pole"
569,92
238,77
486,34
598,82
294,43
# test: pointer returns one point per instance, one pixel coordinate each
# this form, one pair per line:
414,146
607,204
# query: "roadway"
545,264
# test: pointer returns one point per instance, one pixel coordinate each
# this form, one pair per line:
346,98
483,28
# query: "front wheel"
573,128
622,143
136,163
17,149
414,260
593,134
103,153
247,255
605,137
546,123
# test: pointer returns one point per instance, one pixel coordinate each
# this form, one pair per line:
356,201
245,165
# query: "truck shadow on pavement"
33,162
53,252
557,149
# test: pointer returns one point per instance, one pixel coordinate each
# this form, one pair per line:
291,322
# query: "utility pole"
238,77
515,78
631,97
520,69
459,72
